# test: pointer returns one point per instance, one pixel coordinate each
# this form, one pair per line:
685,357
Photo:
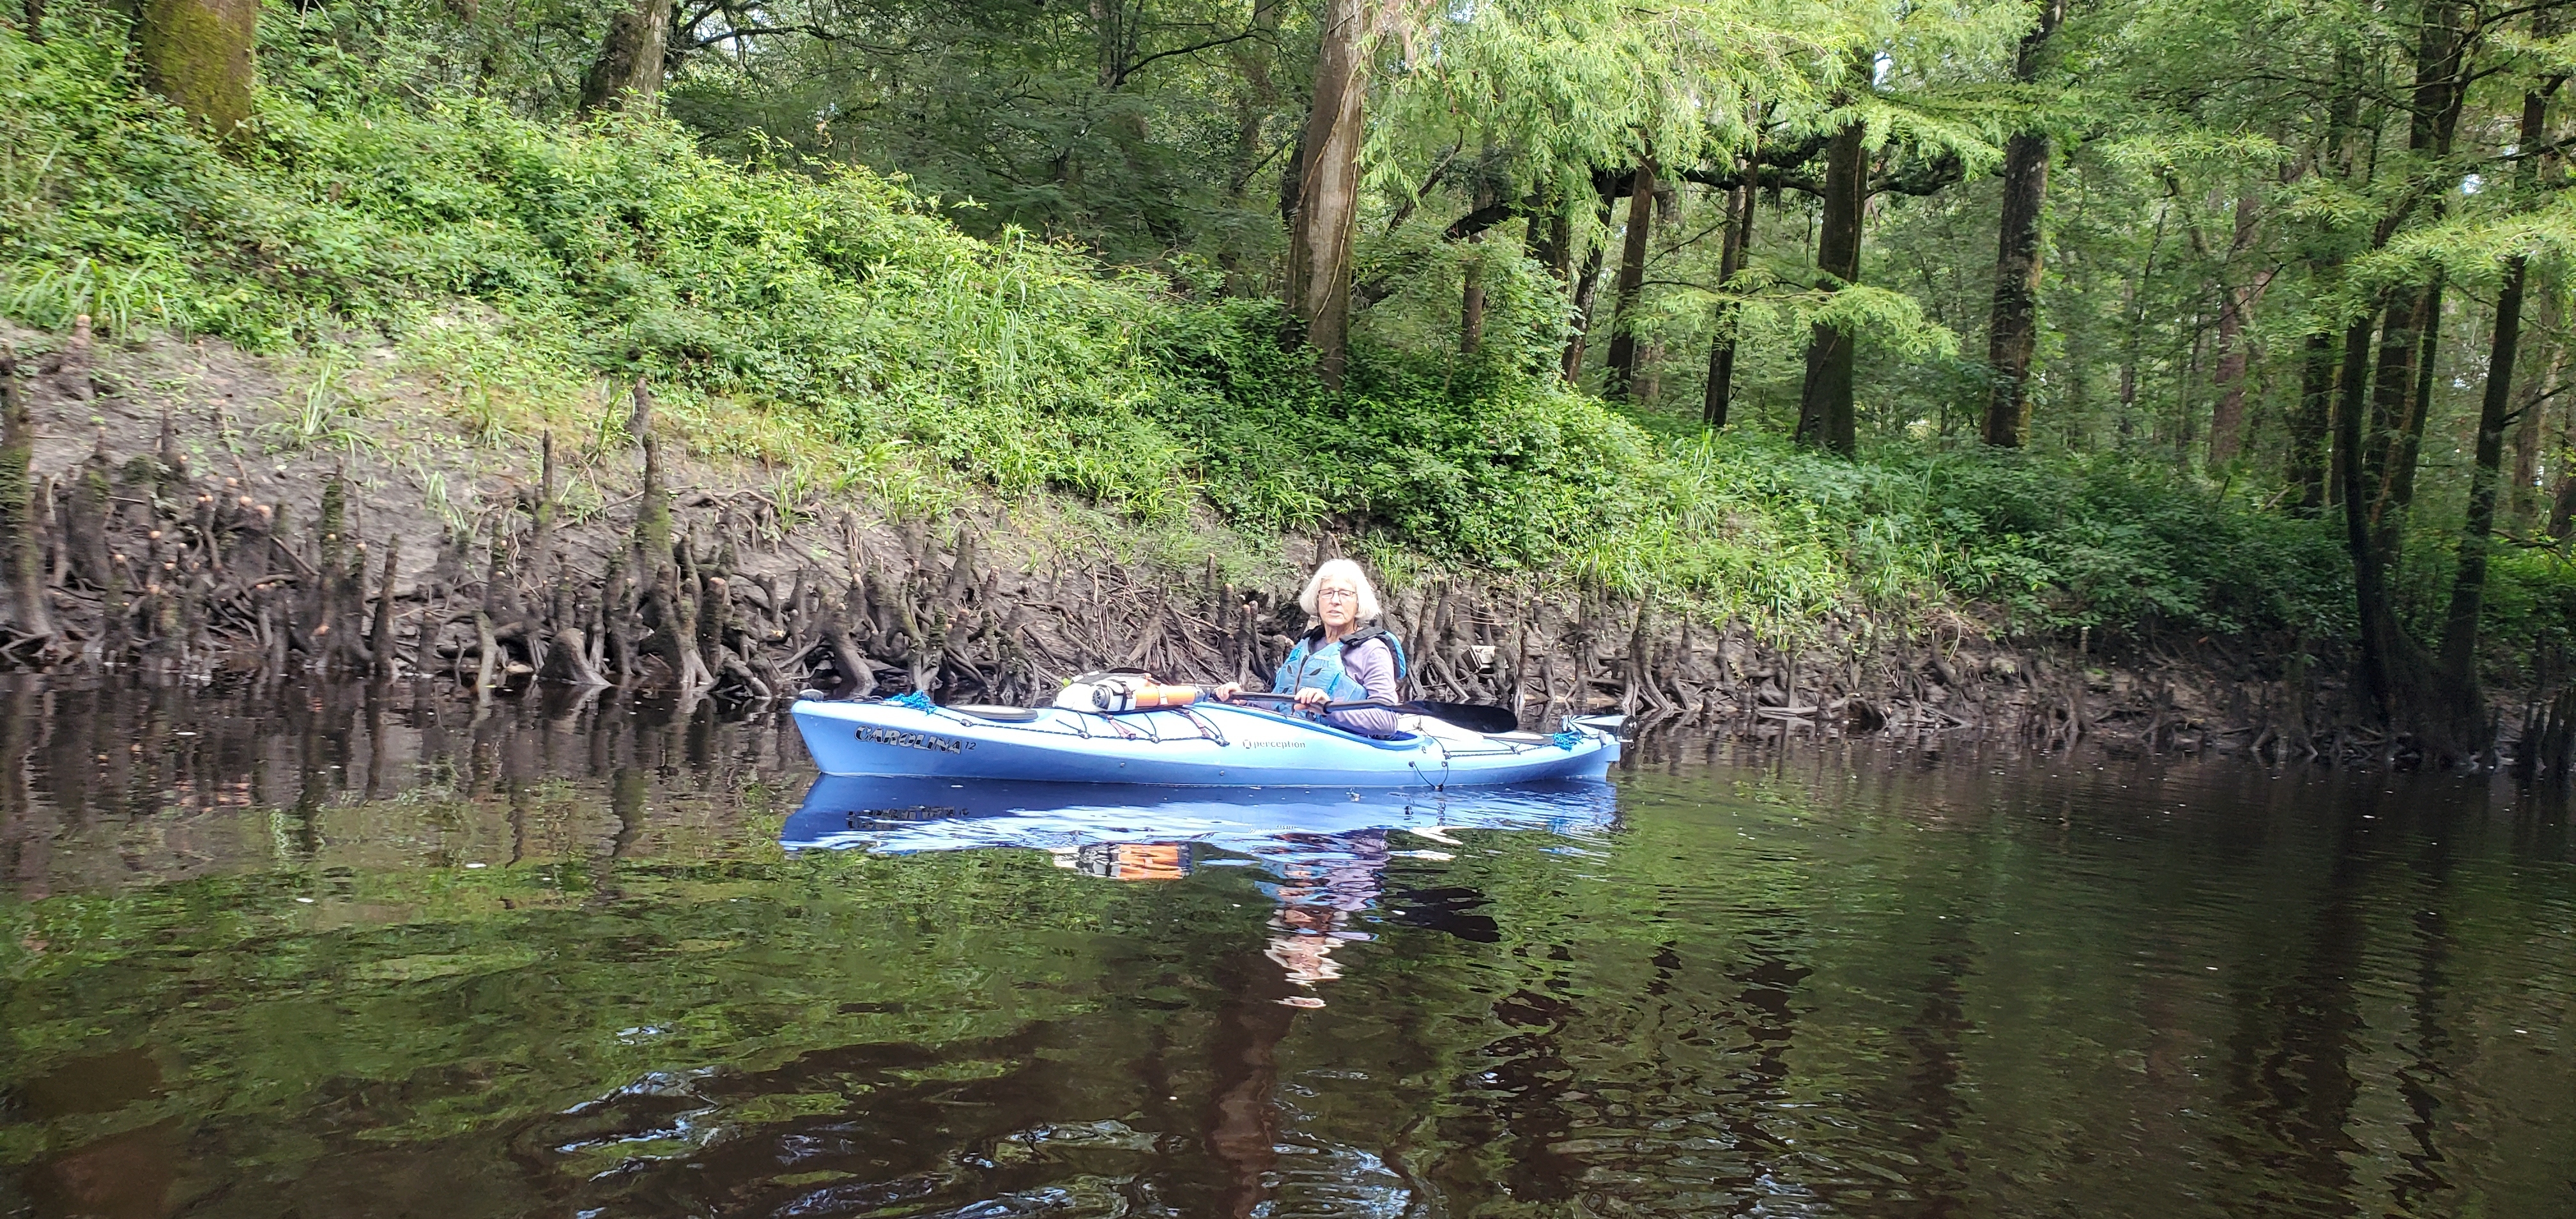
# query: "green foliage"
833,301
825,317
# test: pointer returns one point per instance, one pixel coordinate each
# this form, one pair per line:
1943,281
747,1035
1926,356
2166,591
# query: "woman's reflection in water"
1318,897
1331,879
1325,881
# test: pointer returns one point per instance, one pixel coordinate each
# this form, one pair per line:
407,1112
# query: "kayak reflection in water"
1346,658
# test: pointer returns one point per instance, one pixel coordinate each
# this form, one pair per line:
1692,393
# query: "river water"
329,951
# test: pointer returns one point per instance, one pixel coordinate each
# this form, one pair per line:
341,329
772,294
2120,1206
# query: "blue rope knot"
1567,739
916,700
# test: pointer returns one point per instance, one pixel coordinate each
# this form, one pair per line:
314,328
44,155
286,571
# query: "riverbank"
212,511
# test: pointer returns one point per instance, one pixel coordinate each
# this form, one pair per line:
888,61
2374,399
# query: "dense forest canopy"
1497,275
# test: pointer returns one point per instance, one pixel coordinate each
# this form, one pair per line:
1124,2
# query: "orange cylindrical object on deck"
1149,697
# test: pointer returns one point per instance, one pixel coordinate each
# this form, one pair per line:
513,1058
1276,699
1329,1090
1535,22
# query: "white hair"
1346,570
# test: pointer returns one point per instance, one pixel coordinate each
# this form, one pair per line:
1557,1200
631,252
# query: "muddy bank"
159,531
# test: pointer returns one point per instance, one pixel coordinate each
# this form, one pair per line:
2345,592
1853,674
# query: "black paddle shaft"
1474,717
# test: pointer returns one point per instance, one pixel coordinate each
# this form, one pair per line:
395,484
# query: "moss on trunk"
197,53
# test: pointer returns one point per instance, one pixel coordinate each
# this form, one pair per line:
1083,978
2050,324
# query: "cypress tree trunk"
2397,487
1551,234
1622,372
630,57
23,608
2442,98
1291,178
2235,309
2306,461
2012,339
1319,239
2529,424
1471,308
2391,384
1253,103
2403,397
1825,417
1471,304
197,53
2391,663
1586,291
2469,587
2013,334
1721,347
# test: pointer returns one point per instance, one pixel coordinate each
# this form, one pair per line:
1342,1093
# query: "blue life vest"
1313,663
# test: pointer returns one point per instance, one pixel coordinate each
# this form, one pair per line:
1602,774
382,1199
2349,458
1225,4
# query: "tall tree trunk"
1471,307
1621,374
2236,308
2407,447
630,57
2402,400
1551,235
1292,179
2391,385
2392,665
2469,587
2536,391
1254,101
1319,240
2530,423
1587,287
2305,464
1471,303
197,53
24,610
1721,349
1825,417
2012,339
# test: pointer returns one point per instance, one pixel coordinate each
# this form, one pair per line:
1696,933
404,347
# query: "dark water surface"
330,952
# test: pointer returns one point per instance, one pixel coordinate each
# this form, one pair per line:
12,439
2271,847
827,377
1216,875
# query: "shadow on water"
339,950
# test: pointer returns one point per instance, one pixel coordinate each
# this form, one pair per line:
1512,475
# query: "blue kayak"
1279,825
1208,745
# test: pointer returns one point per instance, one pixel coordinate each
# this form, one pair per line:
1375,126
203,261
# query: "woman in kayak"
1341,660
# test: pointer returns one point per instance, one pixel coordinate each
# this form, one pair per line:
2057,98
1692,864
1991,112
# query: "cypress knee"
23,606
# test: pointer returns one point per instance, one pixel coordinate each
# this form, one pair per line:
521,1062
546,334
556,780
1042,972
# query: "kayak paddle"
1474,717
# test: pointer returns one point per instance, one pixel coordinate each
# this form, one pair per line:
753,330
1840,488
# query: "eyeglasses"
1345,594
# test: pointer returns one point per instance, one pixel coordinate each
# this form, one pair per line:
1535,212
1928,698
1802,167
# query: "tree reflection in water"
348,950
